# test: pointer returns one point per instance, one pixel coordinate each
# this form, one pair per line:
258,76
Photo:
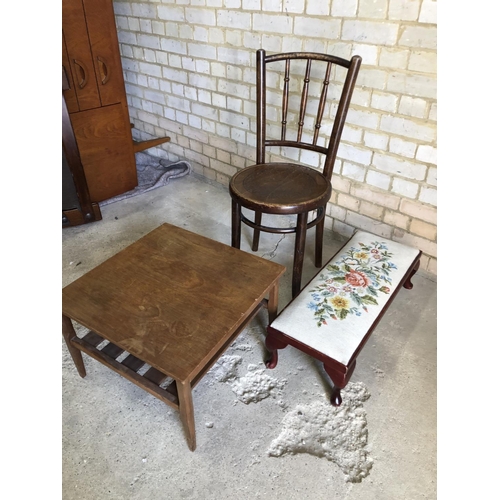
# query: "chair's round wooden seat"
280,188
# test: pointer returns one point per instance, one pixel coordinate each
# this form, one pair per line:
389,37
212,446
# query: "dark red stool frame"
339,373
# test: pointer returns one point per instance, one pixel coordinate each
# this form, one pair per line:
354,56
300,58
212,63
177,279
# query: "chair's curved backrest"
300,108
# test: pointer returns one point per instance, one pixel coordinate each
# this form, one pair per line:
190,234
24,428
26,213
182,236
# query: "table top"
173,298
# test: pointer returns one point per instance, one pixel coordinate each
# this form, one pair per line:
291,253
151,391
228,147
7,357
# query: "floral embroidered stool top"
336,311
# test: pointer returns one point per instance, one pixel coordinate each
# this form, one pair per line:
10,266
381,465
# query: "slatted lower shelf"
151,380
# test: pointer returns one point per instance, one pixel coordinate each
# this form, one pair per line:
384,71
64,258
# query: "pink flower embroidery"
357,278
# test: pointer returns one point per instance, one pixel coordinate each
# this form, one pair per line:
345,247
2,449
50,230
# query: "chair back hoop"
330,151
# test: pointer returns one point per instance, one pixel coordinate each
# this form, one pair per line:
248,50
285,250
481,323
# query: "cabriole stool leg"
340,380
408,284
272,345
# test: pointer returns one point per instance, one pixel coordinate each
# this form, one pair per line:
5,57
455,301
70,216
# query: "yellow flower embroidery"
340,302
361,255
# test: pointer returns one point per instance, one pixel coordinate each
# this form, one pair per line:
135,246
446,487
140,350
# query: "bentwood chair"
292,188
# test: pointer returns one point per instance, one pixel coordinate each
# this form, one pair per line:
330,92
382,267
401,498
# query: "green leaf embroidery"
331,267
343,313
368,299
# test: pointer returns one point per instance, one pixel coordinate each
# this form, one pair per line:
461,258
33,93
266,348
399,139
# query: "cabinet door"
103,38
79,54
105,144
69,93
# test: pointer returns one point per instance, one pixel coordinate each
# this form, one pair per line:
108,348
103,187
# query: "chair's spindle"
322,101
303,101
284,109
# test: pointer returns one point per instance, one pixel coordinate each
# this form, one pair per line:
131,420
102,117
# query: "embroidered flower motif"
357,278
339,302
361,255
352,283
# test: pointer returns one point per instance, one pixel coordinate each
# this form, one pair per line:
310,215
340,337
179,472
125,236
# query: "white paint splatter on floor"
378,371
243,347
224,370
338,434
256,385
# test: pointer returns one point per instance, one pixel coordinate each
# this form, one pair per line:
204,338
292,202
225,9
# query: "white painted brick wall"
353,171
373,9
424,62
328,28
428,12
385,33
384,101
189,67
404,10
344,8
394,57
413,106
375,140
402,147
377,179
404,188
427,154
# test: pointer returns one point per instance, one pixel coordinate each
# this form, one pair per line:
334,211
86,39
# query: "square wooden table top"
173,298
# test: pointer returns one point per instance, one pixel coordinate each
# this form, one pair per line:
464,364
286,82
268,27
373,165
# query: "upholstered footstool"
336,312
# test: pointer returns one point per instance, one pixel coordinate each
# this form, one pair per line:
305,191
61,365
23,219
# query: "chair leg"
256,232
298,257
235,224
318,262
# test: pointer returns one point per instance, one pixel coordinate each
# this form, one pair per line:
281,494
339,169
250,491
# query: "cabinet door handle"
103,69
80,71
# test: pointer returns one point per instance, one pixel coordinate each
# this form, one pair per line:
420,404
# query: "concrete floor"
121,443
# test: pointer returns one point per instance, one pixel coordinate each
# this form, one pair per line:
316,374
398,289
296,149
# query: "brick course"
189,68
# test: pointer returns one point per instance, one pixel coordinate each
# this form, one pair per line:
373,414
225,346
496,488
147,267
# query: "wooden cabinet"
77,207
96,98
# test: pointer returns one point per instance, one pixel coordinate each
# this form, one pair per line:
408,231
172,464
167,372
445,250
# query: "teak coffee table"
168,306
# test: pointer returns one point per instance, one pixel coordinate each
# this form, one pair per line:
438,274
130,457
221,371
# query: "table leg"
272,303
186,410
68,332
